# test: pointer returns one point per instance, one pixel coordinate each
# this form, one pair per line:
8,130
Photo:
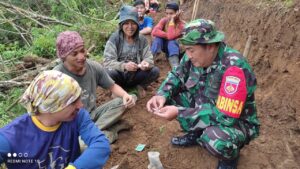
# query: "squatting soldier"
211,93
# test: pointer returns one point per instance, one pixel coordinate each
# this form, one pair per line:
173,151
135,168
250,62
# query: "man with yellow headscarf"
47,137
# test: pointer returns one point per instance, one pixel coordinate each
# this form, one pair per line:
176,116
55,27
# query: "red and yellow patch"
233,92
230,105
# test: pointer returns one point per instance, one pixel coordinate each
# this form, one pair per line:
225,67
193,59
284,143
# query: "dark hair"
204,45
139,2
172,5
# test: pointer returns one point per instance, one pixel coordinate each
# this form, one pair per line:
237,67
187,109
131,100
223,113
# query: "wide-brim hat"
201,31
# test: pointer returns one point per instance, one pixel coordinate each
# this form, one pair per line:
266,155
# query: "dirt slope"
275,58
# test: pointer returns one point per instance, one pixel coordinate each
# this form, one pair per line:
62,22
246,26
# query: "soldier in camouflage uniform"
211,94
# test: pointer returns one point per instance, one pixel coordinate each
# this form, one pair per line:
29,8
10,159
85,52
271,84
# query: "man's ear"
211,47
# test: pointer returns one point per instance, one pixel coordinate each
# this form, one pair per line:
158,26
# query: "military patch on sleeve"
233,92
231,84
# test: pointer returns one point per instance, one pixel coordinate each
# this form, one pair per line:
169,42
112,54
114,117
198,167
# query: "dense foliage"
34,24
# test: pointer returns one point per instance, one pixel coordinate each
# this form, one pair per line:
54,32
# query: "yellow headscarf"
50,92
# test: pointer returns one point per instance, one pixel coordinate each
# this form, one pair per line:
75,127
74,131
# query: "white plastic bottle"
154,160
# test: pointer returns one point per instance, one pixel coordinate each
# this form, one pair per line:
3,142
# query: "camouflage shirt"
197,90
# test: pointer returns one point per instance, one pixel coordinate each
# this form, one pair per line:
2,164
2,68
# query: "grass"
162,129
286,3
289,3
9,100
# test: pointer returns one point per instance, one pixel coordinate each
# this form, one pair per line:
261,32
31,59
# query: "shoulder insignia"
233,92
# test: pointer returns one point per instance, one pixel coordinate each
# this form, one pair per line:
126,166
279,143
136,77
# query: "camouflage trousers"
223,142
220,140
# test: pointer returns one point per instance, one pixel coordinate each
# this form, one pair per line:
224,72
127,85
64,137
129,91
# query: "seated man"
150,5
47,137
127,56
153,5
166,32
211,94
145,22
89,75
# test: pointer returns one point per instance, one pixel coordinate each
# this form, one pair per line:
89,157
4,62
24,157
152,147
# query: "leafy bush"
8,99
10,56
12,51
44,40
97,34
43,44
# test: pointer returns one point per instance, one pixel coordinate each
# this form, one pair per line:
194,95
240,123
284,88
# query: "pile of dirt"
274,56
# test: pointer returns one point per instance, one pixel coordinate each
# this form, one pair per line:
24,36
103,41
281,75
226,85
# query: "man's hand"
167,112
128,100
155,103
178,14
176,17
131,66
144,65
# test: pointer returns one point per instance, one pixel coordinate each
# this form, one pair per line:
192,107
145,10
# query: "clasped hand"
132,67
156,106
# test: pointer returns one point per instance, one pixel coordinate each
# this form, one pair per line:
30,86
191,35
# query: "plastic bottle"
154,160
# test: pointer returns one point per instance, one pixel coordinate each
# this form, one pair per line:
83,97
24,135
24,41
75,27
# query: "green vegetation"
286,3
43,43
162,129
94,20
8,101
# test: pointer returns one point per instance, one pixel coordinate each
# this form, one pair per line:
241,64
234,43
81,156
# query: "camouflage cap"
201,31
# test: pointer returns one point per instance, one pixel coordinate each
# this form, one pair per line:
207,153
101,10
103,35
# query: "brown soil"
274,56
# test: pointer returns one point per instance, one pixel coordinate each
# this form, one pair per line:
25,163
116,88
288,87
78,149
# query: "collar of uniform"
217,60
